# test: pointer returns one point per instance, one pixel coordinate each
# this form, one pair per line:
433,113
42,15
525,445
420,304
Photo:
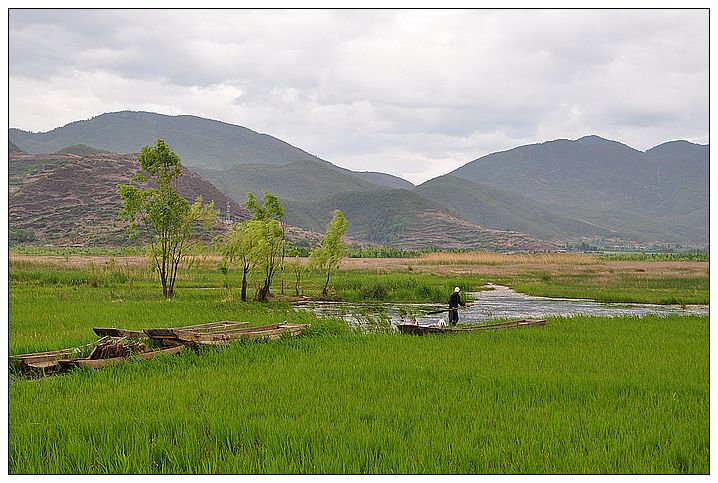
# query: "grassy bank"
428,279
581,395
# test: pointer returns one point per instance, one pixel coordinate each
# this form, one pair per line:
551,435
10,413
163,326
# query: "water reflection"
497,303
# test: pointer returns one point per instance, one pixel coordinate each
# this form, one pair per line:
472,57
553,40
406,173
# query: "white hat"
457,289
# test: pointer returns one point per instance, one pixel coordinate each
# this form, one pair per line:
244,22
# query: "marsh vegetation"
580,395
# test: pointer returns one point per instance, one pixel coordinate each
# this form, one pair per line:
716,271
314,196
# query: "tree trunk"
244,286
326,284
263,292
165,286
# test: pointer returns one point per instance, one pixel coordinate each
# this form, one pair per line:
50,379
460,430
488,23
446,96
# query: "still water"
497,303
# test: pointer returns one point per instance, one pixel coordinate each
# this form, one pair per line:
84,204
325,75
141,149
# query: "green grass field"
580,395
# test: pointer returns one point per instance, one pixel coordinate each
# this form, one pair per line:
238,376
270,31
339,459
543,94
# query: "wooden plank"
100,363
215,325
273,331
115,332
169,333
42,356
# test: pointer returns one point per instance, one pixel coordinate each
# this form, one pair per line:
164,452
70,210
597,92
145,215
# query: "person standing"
454,303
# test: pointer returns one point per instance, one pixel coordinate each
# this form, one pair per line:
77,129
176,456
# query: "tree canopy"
331,250
153,205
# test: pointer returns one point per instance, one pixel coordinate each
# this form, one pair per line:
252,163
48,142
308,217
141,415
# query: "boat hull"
67,364
425,329
196,338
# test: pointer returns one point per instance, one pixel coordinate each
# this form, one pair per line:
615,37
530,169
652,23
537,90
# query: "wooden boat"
195,338
44,362
167,338
428,329
107,350
67,364
134,334
115,332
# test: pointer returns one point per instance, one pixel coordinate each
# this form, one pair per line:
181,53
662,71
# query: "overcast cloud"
415,93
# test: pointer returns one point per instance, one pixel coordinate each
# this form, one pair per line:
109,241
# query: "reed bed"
490,258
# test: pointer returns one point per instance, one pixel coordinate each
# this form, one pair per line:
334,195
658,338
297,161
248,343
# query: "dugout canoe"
67,364
427,329
135,334
44,362
196,338
167,337
115,332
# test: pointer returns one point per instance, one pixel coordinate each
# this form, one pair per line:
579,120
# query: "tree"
241,245
153,205
269,248
294,265
331,249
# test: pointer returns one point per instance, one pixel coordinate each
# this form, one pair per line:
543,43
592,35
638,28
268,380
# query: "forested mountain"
301,180
405,219
201,143
595,179
531,197
506,210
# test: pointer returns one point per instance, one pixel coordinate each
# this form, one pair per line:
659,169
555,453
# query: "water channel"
498,302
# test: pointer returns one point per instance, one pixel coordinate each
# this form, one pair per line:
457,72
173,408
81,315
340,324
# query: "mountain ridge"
559,190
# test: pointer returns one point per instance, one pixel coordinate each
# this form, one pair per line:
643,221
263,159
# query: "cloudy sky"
415,93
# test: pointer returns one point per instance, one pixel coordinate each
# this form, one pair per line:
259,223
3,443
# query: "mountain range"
533,197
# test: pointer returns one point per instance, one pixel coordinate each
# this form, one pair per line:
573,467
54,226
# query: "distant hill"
301,180
683,177
506,210
65,198
81,150
69,199
201,143
536,195
384,179
198,141
592,175
405,219
12,148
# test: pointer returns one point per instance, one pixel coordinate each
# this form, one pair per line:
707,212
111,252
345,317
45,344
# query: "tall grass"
700,256
581,395
622,287
398,287
491,258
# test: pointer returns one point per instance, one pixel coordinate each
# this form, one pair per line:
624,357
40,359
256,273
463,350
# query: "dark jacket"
455,301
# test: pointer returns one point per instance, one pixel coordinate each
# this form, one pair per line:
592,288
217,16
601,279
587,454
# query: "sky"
414,93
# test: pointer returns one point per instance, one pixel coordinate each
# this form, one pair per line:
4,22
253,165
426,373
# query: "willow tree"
331,249
241,246
269,237
153,206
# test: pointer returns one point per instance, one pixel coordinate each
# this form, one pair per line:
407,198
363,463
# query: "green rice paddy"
582,395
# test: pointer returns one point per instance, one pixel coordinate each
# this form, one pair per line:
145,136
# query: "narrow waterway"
497,303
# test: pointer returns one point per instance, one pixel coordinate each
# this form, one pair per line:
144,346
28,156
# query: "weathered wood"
67,364
45,362
166,336
195,338
213,326
115,332
425,329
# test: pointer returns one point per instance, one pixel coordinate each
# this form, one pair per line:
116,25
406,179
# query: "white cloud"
413,93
